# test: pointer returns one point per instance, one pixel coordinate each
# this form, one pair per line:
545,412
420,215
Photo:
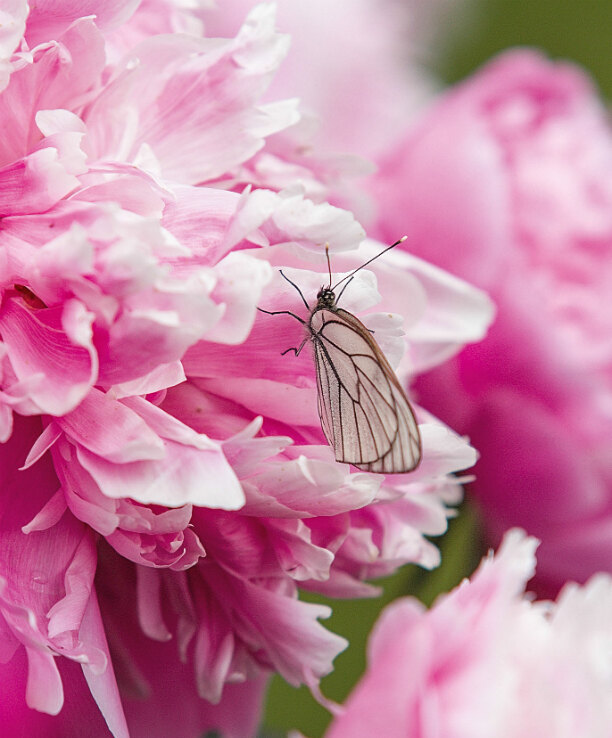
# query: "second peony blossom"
489,662
506,180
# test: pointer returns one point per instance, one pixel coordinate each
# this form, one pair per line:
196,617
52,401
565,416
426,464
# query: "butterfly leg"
297,350
282,312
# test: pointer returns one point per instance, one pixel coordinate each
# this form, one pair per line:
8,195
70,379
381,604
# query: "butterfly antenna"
293,284
369,261
328,264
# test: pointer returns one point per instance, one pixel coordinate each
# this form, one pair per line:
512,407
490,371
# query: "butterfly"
364,412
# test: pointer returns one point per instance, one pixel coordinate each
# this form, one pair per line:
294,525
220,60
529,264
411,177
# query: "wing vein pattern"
364,412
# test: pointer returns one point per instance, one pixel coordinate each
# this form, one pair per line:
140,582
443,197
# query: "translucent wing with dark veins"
364,412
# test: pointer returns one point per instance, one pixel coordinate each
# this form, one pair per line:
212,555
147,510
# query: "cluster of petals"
489,661
152,435
507,180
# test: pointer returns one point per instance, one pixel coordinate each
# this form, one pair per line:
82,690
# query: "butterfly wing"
364,412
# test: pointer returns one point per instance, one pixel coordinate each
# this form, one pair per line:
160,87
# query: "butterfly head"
326,298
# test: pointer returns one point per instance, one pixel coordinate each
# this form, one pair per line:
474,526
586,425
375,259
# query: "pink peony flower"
506,181
488,661
153,436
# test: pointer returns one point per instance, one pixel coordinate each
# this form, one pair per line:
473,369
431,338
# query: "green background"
469,34
580,30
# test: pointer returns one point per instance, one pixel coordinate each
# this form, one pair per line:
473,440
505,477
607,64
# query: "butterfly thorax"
326,298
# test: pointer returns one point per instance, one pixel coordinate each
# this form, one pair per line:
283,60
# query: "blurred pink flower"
153,436
487,661
322,66
507,181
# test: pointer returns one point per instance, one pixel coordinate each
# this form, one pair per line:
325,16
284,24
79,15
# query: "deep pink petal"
52,348
154,677
46,597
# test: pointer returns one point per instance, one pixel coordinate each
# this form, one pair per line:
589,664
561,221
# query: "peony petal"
185,476
48,515
62,365
199,217
44,691
241,282
34,183
443,452
12,25
150,605
103,684
196,103
52,78
162,377
111,430
42,444
49,19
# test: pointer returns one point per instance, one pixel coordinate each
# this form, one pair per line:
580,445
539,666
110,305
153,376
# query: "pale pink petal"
163,540
162,377
12,25
278,400
444,452
214,649
44,691
241,282
317,224
450,670
456,313
296,552
57,73
111,430
34,183
48,515
67,614
42,444
200,217
196,102
308,487
290,216
187,475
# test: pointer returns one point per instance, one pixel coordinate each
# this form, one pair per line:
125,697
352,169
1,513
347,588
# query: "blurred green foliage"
472,32
475,30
